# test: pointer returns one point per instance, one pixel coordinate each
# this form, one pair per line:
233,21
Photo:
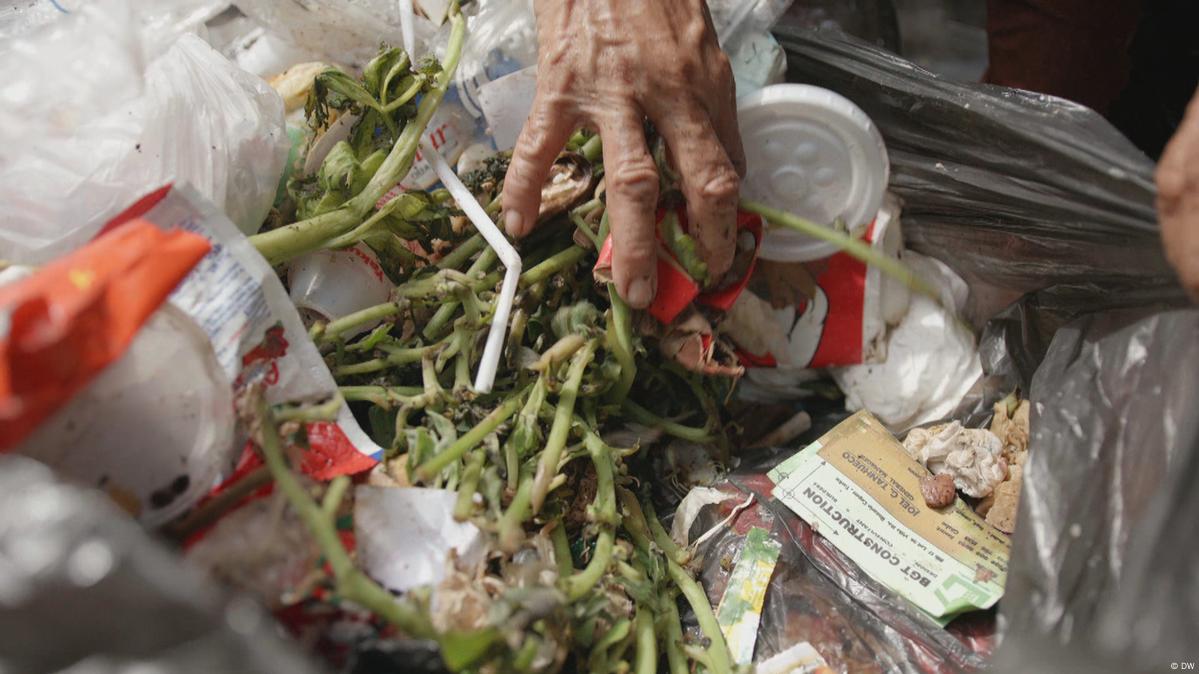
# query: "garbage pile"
275,323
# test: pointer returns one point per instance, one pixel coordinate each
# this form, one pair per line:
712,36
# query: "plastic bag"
1108,492
817,595
98,109
347,32
84,589
1015,191
1019,192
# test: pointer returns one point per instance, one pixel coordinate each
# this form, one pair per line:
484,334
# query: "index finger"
541,140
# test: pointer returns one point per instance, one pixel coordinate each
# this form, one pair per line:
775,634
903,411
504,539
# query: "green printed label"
740,608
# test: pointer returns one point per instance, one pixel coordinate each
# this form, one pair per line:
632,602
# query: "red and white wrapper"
676,289
255,330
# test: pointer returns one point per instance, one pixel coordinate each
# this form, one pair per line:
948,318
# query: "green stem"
525,434
661,537
395,356
599,652
593,149
552,266
718,650
464,507
583,227
383,396
547,466
646,661
326,411
403,98
605,515
676,659
620,342
352,584
512,523
579,584
446,311
854,247
463,252
334,495
379,312
285,243
430,468
561,350
645,417
562,556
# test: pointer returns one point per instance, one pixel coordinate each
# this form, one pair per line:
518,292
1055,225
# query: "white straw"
490,362
504,250
407,21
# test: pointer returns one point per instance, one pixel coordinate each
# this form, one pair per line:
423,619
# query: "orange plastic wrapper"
64,324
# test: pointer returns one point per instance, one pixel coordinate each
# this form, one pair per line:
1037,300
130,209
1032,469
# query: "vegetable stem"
619,339
465,505
430,468
605,515
647,648
643,416
282,244
352,584
552,266
512,523
547,466
854,247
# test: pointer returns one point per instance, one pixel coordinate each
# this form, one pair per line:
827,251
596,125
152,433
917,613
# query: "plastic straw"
407,32
485,377
504,250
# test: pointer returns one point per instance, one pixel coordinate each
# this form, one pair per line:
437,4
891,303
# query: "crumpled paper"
972,456
405,535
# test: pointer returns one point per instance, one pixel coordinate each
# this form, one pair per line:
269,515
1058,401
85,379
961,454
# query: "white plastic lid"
813,153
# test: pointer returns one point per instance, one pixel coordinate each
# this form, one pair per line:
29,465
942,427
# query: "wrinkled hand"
608,65
1178,199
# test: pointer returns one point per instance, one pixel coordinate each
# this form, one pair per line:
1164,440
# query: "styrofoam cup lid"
811,152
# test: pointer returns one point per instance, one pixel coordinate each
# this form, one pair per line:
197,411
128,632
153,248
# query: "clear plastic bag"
84,589
100,108
346,32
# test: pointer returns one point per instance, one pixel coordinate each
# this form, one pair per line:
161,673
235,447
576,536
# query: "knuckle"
635,179
723,187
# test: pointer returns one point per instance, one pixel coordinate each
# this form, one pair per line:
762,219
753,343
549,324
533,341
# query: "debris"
972,457
938,490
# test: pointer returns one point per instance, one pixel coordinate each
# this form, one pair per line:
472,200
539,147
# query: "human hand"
1178,199
608,65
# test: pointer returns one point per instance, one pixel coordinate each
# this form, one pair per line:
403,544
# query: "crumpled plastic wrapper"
262,547
972,456
84,589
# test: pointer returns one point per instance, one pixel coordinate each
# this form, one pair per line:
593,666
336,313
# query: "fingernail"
640,293
514,223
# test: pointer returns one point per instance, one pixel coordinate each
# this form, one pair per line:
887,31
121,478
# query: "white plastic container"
811,152
336,283
155,430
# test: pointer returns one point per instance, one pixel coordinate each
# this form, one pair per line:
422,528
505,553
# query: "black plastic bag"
1048,214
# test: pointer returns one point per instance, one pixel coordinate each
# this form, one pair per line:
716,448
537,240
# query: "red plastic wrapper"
75,316
676,289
